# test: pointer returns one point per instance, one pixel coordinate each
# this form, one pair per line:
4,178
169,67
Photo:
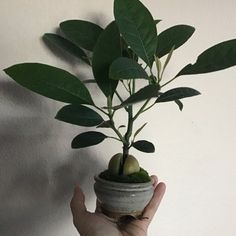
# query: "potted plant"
128,59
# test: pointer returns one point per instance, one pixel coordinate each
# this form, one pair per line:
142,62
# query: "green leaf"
139,130
147,92
125,68
138,28
144,146
175,37
106,51
88,139
66,45
79,115
105,124
127,51
218,57
157,21
50,82
177,93
180,104
82,33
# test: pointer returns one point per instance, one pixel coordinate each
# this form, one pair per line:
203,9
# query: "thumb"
77,205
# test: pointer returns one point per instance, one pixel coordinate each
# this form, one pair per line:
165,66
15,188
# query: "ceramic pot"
120,199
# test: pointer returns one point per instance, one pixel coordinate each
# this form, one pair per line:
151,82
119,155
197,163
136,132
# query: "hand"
97,224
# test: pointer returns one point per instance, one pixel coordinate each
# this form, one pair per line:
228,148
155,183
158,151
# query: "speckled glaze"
120,199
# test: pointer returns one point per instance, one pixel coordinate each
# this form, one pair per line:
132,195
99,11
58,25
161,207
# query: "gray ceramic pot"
120,199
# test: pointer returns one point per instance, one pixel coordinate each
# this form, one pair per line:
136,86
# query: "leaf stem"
114,138
167,61
125,86
141,109
110,115
148,107
126,144
129,109
168,82
118,95
101,110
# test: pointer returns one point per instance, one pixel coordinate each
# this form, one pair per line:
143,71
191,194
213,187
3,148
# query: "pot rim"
123,185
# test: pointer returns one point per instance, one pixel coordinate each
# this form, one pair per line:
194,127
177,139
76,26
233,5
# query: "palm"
104,226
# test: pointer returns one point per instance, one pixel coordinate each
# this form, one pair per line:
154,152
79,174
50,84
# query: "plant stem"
130,124
127,136
148,107
133,87
118,95
141,109
121,138
125,86
168,82
126,144
110,115
101,110
114,138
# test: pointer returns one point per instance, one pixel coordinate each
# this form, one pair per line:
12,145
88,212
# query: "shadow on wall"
37,170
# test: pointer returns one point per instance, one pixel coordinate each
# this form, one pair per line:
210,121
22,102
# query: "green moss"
139,177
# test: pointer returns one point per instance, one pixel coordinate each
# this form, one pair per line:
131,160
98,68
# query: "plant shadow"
38,171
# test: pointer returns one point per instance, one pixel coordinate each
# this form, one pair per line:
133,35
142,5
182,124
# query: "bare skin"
97,224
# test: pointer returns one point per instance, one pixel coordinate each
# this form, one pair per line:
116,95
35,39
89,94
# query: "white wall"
195,148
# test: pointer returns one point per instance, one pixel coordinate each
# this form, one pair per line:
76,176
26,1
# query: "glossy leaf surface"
82,33
137,27
79,115
177,93
147,92
50,82
106,51
125,68
175,37
218,57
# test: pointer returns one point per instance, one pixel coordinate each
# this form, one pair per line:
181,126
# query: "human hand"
97,224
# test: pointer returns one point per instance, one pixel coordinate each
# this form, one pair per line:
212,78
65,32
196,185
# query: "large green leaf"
50,82
177,93
88,139
147,92
82,33
107,49
138,28
66,45
144,146
125,68
218,57
175,37
127,51
79,115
